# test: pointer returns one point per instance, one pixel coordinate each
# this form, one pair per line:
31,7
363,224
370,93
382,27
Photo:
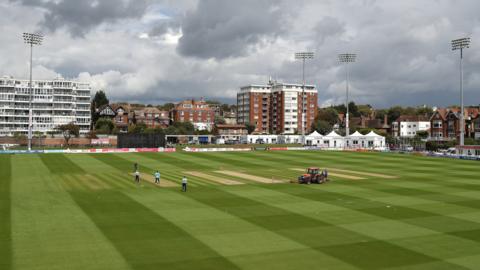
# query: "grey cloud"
80,16
328,27
221,29
403,47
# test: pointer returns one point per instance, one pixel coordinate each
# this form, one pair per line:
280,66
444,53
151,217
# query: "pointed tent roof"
373,134
315,134
333,134
356,134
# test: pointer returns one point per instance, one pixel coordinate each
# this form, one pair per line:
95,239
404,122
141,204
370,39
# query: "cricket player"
157,177
184,184
137,176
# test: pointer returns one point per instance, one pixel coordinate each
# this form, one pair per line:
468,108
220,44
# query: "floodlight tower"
347,58
460,44
303,56
31,39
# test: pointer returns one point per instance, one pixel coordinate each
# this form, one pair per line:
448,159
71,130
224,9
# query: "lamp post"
347,58
303,56
31,39
460,44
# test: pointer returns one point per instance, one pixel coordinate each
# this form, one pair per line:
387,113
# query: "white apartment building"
54,102
407,126
288,110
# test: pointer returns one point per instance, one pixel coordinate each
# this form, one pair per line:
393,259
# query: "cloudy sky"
157,51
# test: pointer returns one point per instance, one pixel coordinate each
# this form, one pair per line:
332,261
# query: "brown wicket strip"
251,177
364,173
215,178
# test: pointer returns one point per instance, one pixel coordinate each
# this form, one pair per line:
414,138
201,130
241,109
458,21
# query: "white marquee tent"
333,140
314,138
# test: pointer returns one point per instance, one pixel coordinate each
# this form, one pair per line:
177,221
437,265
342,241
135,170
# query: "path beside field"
251,177
215,179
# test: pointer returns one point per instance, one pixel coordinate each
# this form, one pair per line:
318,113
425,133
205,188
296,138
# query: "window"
437,124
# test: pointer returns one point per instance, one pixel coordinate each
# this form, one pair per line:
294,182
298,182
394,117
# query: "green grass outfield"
84,212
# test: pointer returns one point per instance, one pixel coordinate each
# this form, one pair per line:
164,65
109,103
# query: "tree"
322,127
166,106
104,126
364,110
184,128
68,131
353,109
394,113
219,120
340,108
137,128
422,134
250,128
329,115
424,110
380,114
99,100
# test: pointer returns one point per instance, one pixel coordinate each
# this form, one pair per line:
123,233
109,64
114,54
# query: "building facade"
253,107
445,123
277,107
407,126
198,113
230,132
152,117
287,109
54,103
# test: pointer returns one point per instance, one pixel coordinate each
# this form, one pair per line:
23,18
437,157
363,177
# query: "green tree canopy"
69,130
322,127
104,126
329,115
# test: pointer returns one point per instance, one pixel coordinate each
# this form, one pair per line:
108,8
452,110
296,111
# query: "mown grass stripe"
274,219
145,239
421,218
69,183
60,164
122,179
80,181
5,212
108,180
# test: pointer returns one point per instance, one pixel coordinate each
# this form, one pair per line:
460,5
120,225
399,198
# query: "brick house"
476,127
152,117
121,117
445,123
198,113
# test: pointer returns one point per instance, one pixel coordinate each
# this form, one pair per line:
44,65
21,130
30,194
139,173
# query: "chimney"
385,119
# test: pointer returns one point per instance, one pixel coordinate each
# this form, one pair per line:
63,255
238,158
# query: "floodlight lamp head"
460,43
304,55
347,57
33,39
